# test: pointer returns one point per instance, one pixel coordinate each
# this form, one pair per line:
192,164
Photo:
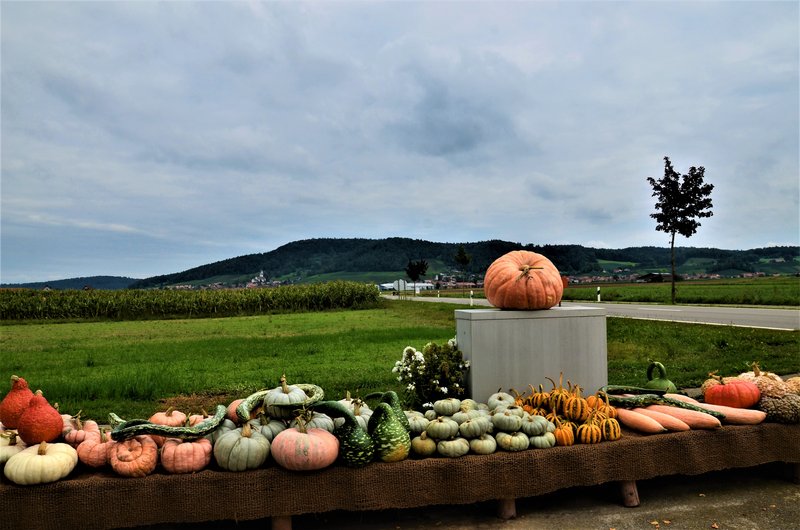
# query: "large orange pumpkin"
522,279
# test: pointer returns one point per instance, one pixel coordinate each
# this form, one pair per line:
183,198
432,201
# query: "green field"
780,291
130,367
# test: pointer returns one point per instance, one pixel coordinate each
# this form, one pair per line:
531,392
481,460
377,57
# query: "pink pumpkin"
179,456
304,450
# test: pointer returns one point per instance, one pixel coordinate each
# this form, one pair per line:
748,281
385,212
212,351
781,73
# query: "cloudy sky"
143,138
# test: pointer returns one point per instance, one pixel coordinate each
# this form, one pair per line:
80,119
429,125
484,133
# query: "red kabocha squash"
731,392
15,402
40,421
134,457
301,449
185,456
523,280
95,450
171,418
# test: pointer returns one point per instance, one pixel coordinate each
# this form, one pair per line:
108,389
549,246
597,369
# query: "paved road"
782,319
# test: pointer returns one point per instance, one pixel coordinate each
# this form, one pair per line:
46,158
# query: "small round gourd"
543,441
564,434
241,449
610,429
442,428
484,444
423,445
430,414
517,441
447,406
589,433
41,463
453,448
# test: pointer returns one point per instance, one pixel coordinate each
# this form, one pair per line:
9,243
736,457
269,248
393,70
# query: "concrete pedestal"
512,349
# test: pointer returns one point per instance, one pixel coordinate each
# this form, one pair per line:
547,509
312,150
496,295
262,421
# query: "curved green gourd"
356,447
129,429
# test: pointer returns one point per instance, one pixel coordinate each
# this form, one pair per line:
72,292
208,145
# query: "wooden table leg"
282,522
630,495
506,508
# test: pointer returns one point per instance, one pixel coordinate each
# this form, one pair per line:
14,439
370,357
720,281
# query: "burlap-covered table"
213,494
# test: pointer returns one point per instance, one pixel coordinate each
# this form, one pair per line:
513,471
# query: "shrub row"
135,304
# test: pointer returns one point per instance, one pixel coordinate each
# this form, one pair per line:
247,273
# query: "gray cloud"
186,132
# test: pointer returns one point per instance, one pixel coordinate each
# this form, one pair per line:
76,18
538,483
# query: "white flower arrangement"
434,373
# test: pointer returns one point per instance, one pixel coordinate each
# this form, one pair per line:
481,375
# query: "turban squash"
522,279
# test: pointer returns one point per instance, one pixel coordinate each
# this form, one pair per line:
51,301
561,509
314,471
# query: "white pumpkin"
42,463
10,444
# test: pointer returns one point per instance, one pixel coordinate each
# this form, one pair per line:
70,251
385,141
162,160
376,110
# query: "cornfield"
27,304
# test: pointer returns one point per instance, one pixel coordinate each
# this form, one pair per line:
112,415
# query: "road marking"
730,325
658,309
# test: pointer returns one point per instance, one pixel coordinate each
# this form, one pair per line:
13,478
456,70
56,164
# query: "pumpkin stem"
525,269
284,385
247,430
42,449
11,435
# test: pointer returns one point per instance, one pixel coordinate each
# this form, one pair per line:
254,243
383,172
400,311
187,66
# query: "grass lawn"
131,367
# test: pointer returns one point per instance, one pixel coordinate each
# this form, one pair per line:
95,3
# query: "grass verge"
131,367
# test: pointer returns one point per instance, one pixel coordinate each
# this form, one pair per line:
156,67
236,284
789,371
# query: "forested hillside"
325,258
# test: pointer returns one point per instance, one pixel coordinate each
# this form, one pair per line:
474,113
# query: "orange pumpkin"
731,392
15,402
179,456
134,457
40,421
522,279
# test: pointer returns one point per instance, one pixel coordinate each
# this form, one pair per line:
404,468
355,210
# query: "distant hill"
94,282
380,260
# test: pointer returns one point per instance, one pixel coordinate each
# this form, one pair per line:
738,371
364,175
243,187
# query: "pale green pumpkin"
447,406
507,421
534,425
241,449
453,448
475,427
442,428
483,445
543,441
517,441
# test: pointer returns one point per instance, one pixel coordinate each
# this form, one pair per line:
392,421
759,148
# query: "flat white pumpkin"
10,444
41,463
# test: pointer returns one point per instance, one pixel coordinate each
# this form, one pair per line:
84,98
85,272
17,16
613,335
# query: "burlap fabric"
103,500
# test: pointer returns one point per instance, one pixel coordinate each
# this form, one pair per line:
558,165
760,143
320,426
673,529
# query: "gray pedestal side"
512,349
